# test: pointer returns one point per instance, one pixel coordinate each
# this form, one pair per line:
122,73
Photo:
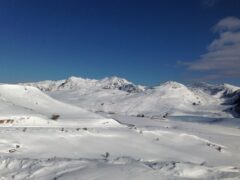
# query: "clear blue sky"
145,41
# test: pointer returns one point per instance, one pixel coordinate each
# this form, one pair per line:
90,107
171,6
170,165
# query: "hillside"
117,95
135,132
28,106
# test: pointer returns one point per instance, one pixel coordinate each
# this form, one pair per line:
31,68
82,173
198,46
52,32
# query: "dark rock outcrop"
233,99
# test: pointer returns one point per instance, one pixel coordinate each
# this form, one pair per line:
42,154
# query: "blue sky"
145,41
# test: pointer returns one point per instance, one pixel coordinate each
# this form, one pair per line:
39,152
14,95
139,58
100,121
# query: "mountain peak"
74,78
120,84
172,84
115,79
231,87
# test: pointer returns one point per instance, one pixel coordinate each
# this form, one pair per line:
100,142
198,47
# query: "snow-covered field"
112,129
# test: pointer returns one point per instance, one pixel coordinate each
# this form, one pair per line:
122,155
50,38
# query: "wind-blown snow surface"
185,134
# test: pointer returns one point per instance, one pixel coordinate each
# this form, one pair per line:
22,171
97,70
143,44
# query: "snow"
25,103
99,136
171,97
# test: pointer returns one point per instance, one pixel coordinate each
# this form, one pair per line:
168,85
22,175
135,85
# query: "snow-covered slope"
117,95
228,94
44,138
80,83
220,90
28,105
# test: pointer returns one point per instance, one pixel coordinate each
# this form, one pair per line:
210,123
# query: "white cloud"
223,55
228,24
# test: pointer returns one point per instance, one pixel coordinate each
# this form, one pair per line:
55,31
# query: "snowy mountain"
229,94
222,90
80,83
170,131
117,95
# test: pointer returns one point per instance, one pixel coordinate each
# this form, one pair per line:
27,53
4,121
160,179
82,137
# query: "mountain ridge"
118,95
121,81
